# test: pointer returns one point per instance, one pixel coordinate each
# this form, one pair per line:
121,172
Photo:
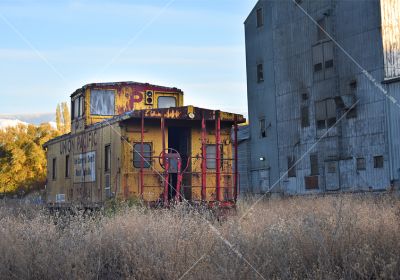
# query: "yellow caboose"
138,140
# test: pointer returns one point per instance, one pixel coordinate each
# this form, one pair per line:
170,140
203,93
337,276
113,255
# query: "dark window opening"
67,166
353,85
352,113
329,63
260,73
54,169
107,158
321,124
260,17
361,164
291,167
318,67
331,122
263,129
378,162
304,96
314,164
138,157
305,121
321,35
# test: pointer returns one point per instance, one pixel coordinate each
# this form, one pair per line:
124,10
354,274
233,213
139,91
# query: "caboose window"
166,102
107,158
54,169
211,155
102,102
138,156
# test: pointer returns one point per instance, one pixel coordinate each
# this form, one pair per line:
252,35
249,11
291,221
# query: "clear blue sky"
50,48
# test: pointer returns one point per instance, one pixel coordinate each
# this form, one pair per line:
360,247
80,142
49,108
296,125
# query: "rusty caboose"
138,140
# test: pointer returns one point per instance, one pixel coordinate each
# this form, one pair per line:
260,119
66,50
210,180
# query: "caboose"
136,140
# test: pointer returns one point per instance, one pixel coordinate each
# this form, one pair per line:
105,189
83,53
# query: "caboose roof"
188,113
125,83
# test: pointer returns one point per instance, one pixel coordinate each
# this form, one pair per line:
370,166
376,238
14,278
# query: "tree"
63,118
23,162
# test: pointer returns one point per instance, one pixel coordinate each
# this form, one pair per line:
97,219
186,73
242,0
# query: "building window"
323,61
351,113
138,157
325,114
321,35
260,17
378,162
361,164
166,102
107,158
314,164
263,128
212,156
291,167
54,169
260,73
305,121
67,166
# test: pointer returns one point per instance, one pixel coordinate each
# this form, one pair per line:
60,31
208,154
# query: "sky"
49,48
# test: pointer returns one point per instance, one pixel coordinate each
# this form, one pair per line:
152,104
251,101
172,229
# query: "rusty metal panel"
390,17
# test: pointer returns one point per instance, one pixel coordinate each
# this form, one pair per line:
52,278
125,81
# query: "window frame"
260,17
214,159
291,161
67,166
107,158
314,165
147,164
263,128
361,166
92,108
378,162
54,169
260,72
166,96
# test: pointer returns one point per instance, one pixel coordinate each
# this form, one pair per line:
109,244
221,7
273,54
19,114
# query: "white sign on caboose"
85,167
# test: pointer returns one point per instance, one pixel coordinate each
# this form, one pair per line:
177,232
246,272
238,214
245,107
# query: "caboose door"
179,139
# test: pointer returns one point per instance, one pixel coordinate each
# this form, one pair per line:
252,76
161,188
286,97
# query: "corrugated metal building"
318,122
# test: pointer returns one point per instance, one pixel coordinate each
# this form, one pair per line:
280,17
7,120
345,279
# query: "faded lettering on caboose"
80,143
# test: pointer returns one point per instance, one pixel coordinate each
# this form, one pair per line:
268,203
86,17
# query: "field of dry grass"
348,237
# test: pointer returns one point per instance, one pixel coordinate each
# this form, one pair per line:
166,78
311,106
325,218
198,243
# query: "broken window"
291,167
212,156
166,101
305,121
325,113
314,164
263,128
102,102
378,162
260,17
138,157
260,73
361,164
54,169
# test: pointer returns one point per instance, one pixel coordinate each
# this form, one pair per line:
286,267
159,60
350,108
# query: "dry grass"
348,237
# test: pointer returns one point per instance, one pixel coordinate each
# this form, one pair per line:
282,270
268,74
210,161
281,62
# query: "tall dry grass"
347,237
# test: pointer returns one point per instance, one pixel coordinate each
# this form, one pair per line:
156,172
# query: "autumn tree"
22,157
63,118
